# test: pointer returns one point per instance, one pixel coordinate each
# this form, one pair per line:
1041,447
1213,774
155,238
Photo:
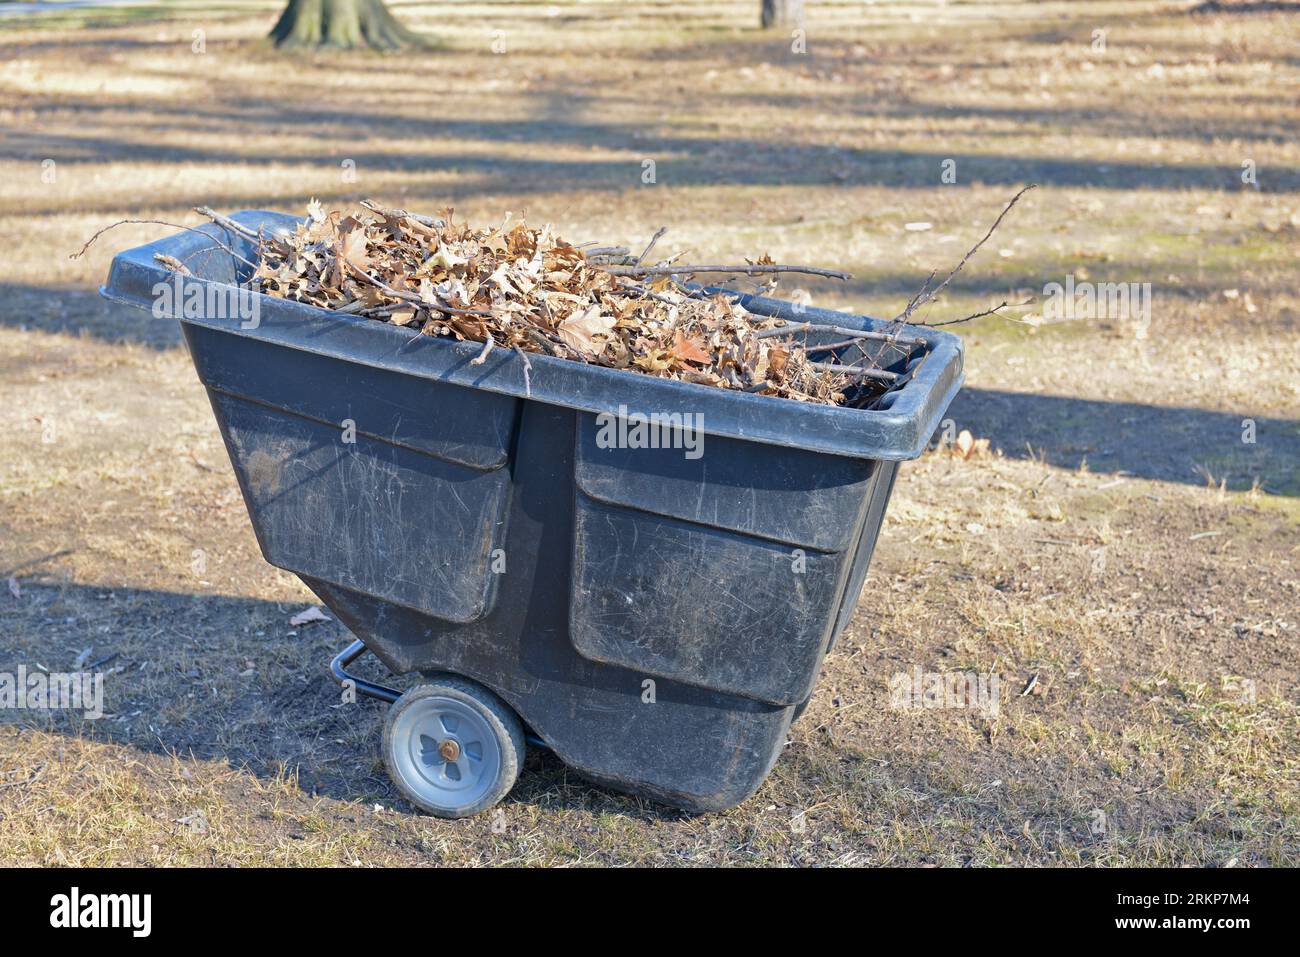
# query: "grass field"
1119,547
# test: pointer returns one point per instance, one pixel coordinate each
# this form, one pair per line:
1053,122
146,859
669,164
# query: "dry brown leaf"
688,350
581,330
352,247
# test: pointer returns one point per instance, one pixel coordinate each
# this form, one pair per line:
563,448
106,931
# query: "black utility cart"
656,620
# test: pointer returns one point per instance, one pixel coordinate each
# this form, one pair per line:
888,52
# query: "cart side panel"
725,570
364,477
466,426
800,498
729,612
377,517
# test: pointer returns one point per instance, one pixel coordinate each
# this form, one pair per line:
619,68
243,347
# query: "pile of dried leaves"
516,287
528,290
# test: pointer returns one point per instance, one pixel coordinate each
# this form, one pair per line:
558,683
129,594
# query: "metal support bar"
339,672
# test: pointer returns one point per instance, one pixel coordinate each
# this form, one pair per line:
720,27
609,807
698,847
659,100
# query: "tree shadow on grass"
78,311
1162,443
681,160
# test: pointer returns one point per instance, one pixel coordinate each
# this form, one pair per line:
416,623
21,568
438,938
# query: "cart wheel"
452,747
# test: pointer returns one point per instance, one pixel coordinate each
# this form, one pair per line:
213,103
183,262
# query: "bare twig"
912,303
856,371
641,292
385,211
832,346
609,256
838,330
357,306
620,255
978,315
488,343
385,310
749,269
225,222
528,373
439,306
172,263
158,222
542,342
650,245
638,289
927,294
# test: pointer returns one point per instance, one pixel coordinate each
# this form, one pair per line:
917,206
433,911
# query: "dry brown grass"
1097,557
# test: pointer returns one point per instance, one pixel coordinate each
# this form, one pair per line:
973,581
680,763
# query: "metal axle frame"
338,671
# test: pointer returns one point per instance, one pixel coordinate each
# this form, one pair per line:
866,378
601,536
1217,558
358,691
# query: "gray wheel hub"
446,752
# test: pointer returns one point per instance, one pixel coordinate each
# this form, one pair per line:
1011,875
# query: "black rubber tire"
501,720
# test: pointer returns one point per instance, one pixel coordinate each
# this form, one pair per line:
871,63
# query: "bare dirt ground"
1120,542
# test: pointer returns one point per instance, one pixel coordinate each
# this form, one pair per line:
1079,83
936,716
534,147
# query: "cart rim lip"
899,429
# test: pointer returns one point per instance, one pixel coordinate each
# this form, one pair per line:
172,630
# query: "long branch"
857,371
157,222
748,270
651,245
838,330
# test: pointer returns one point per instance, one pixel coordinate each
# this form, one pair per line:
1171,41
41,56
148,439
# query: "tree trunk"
342,24
782,13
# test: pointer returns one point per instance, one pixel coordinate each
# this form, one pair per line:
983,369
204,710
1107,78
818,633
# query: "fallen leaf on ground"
967,447
308,615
